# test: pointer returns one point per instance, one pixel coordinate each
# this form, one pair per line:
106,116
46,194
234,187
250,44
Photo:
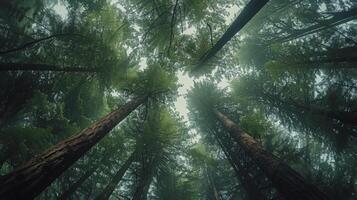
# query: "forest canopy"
178,99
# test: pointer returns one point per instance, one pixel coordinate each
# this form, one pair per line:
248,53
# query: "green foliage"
292,80
22,143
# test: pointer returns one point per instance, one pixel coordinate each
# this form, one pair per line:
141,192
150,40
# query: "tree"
43,67
105,194
286,180
244,17
39,172
281,123
303,110
337,19
67,193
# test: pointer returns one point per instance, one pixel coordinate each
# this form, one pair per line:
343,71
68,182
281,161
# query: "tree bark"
34,176
145,179
66,194
288,182
337,19
142,189
252,8
43,67
247,182
108,190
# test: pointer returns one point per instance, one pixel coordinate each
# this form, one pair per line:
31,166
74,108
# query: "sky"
188,82
184,80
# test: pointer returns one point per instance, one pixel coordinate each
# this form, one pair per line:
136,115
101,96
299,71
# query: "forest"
178,99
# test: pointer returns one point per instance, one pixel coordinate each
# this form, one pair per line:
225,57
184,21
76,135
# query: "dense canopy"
178,99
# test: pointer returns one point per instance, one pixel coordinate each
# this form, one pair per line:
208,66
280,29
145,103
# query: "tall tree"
286,180
251,9
39,172
108,190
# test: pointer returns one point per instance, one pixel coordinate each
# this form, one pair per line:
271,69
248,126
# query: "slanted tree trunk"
343,116
252,8
287,181
211,182
29,44
43,67
108,190
337,19
347,55
145,178
247,182
33,177
348,118
143,188
68,193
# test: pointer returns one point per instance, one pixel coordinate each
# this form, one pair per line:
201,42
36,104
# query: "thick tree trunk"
143,188
337,19
68,193
287,181
145,178
252,8
34,176
108,190
43,67
247,182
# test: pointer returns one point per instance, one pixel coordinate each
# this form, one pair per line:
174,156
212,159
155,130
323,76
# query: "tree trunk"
108,190
247,182
343,116
66,194
339,18
29,44
43,67
347,55
287,181
143,187
252,8
145,178
34,176
211,183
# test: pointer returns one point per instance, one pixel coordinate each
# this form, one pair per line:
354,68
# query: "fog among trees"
178,99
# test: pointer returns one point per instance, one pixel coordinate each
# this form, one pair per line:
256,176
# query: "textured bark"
337,19
43,67
68,193
108,190
146,176
34,176
247,182
252,8
288,182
